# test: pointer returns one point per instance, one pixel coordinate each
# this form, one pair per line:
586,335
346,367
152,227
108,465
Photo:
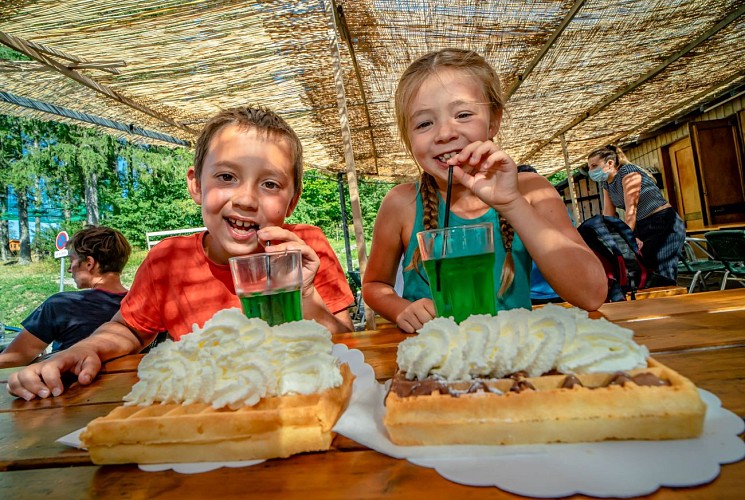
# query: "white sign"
59,254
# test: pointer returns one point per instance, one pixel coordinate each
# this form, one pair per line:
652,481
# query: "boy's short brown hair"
105,245
264,121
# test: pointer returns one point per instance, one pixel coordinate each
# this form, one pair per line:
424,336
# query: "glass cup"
269,285
459,262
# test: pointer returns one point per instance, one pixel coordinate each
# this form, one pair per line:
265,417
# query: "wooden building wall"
650,153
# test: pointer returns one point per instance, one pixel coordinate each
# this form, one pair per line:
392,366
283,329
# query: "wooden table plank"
332,475
107,388
689,331
28,438
733,299
719,371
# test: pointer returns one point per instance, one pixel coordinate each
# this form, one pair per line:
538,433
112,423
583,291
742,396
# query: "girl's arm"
609,209
388,246
570,267
632,185
538,215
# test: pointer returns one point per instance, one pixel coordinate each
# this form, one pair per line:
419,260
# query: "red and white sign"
61,240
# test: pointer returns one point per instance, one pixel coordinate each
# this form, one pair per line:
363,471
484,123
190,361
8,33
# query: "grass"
23,288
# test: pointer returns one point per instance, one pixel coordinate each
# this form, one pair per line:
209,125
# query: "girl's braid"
508,268
430,206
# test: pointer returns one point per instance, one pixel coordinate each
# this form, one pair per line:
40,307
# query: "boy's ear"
496,119
293,204
195,187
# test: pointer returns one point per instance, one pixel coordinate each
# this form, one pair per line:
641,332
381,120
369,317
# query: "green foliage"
139,188
319,203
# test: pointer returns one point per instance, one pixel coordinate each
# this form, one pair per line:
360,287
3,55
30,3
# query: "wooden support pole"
346,135
570,181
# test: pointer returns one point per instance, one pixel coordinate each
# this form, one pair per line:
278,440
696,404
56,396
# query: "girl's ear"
90,262
195,187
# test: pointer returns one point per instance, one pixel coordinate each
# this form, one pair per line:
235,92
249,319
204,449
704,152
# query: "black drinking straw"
268,266
447,223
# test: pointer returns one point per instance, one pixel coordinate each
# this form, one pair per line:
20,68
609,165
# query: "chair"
728,246
696,268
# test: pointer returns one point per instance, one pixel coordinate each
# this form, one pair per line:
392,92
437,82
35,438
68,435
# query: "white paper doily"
364,375
610,468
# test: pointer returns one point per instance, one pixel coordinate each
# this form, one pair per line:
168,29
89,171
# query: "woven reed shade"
597,70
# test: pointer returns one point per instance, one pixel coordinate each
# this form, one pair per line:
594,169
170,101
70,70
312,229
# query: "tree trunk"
24,256
4,229
37,221
91,199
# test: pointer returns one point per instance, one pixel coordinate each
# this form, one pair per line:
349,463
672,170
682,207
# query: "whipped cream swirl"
550,338
235,361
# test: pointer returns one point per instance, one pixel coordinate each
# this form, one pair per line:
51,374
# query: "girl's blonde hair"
476,67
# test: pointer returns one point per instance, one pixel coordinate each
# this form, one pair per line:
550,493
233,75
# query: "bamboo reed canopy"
594,71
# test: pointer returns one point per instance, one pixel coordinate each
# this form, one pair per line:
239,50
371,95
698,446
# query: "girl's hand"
488,172
283,240
415,315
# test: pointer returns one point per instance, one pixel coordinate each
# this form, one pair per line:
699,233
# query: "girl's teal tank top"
518,295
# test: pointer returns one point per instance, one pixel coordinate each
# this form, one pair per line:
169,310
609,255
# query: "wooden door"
716,151
687,185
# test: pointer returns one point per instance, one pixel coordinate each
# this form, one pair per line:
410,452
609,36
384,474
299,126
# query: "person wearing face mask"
98,255
659,230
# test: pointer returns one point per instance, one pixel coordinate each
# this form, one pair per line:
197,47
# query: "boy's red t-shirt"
177,286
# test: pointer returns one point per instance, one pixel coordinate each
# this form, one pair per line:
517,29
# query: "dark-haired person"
659,230
97,257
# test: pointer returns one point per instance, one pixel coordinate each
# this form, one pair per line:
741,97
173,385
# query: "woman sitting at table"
659,230
97,257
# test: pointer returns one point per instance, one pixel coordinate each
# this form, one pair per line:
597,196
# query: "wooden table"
714,227
701,335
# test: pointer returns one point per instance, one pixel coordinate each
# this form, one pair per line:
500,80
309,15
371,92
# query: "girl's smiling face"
246,184
448,112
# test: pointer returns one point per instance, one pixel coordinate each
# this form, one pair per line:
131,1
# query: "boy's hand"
415,315
44,379
488,172
283,240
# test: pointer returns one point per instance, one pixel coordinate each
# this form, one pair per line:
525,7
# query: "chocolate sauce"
571,381
640,379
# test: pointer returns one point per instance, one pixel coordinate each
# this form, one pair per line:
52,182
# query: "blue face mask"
598,175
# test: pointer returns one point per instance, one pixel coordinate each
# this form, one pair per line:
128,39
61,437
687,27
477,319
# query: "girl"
448,109
659,230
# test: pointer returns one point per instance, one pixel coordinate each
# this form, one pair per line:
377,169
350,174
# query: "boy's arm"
84,359
23,350
314,306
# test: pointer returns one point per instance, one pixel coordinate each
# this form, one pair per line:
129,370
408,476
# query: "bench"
154,237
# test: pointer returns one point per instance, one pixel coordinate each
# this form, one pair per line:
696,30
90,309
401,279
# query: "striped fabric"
650,197
663,234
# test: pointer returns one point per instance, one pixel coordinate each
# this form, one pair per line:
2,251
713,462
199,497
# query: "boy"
247,177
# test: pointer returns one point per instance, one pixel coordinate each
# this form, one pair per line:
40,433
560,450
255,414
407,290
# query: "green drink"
466,285
274,307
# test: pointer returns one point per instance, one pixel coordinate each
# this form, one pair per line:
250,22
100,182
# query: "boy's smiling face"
246,184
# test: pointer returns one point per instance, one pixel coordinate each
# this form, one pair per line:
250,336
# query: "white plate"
610,468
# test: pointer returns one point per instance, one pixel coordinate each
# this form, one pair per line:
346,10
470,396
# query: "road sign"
60,253
61,240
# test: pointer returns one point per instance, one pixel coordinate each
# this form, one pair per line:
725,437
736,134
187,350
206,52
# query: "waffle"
169,433
526,410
